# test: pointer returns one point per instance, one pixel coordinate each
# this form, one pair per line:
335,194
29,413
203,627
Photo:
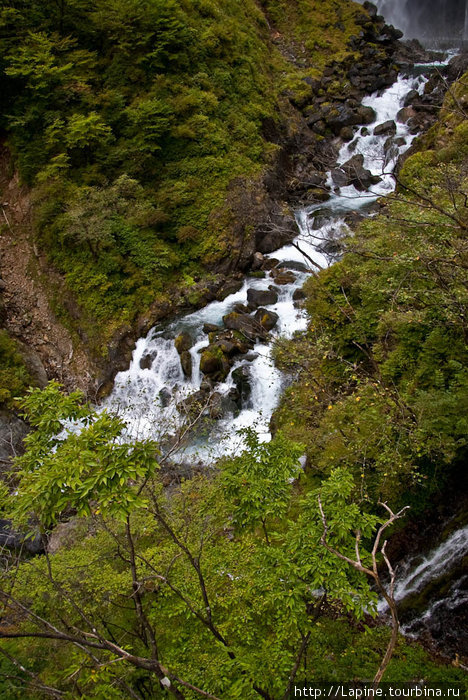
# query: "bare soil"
28,282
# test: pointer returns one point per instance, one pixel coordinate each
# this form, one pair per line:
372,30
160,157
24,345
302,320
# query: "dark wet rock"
299,295
2,285
457,66
258,260
241,379
294,265
366,115
186,363
258,274
222,405
183,342
346,134
261,297
241,309
279,231
194,404
386,128
34,364
13,539
411,96
250,357
230,287
267,319
283,277
247,326
270,263
405,114
147,360
211,328
13,430
165,397
214,363
354,173
315,195
339,177
341,116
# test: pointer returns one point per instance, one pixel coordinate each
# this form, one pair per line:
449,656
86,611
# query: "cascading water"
432,594
431,21
150,395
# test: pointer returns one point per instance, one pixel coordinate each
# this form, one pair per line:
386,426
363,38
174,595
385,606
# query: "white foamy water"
149,397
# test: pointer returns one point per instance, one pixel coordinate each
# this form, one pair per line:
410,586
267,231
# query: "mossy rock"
214,363
183,342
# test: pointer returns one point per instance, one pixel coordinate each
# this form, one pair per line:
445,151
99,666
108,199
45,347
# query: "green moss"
14,377
178,111
382,368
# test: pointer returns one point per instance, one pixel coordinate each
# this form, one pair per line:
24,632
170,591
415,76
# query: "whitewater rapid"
150,394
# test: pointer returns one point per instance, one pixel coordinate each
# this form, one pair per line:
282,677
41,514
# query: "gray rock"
147,360
230,287
246,325
210,328
405,114
183,342
295,264
13,539
165,397
366,115
258,260
299,295
261,297
386,128
13,430
267,319
241,378
186,363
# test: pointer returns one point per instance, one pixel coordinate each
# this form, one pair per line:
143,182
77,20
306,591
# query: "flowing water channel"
148,395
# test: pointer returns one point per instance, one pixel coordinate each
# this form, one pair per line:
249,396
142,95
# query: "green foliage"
383,387
229,608
259,481
14,377
171,95
66,468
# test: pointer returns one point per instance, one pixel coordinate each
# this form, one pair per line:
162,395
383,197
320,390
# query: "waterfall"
432,21
152,393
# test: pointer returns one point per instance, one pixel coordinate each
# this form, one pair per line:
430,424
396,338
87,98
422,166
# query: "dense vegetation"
383,384
220,586
132,121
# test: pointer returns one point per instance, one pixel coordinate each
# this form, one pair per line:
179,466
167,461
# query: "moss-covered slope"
382,382
141,128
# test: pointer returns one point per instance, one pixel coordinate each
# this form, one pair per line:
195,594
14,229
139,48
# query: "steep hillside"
381,372
147,134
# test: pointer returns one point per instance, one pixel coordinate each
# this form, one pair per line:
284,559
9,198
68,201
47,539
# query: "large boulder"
214,363
183,342
387,128
282,276
186,363
13,539
354,173
247,326
241,378
230,287
366,115
147,360
261,297
267,319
